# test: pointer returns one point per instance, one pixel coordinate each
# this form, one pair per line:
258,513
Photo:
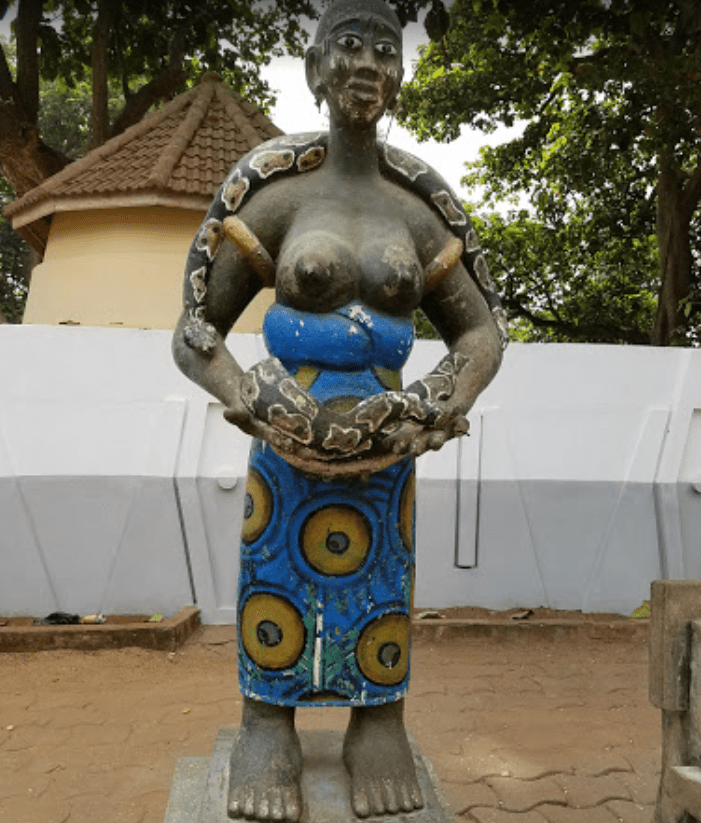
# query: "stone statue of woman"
354,236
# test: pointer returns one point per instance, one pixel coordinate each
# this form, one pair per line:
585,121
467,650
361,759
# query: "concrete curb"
507,630
173,632
164,636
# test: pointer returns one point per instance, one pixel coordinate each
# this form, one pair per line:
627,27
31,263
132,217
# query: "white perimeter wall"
121,486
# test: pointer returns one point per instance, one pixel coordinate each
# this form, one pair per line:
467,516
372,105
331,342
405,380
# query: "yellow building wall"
122,268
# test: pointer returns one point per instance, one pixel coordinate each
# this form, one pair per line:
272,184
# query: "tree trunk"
673,220
100,73
29,14
24,159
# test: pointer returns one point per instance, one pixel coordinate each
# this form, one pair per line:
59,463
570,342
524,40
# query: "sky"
296,111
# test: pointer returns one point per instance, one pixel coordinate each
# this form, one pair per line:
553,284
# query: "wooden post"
675,688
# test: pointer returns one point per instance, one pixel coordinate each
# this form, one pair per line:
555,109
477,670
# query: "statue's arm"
220,281
461,316
199,347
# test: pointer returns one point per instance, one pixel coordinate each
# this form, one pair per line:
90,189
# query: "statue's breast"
317,270
371,259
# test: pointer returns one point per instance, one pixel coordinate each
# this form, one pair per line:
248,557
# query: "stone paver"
642,787
500,816
466,796
524,795
565,814
537,732
582,792
630,812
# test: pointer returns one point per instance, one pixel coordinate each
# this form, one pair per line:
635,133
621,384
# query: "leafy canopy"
610,99
232,37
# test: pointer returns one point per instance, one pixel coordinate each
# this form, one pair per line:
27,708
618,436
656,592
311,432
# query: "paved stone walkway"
527,731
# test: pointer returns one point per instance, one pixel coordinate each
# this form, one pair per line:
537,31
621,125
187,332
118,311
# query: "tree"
610,154
152,49
568,283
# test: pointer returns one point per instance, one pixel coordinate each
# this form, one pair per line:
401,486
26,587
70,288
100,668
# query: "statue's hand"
286,424
239,414
413,438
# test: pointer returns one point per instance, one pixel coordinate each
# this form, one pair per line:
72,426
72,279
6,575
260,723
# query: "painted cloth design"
297,154
327,566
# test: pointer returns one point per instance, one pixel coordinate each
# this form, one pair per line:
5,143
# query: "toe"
249,802
277,807
263,807
374,790
359,799
405,801
389,796
416,796
235,804
292,804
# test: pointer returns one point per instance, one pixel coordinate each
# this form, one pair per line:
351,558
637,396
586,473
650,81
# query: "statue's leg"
266,764
380,763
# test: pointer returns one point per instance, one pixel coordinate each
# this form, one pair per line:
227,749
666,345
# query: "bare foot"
380,763
266,764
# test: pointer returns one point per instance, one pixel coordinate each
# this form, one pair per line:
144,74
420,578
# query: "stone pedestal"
200,786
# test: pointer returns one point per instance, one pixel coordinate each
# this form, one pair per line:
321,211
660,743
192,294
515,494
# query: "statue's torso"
340,242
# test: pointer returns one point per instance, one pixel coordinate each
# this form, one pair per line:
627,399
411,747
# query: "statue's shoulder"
414,174
275,159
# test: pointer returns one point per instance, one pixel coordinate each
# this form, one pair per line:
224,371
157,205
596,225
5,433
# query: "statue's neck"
353,152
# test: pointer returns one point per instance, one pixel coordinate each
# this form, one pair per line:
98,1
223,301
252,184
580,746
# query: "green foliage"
607,93
423,326
14,265
65,114
232,37
570,282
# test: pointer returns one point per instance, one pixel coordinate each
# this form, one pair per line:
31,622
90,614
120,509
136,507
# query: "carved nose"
313,276
366,69
366,64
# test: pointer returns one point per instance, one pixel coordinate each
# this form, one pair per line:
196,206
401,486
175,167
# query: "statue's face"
360,70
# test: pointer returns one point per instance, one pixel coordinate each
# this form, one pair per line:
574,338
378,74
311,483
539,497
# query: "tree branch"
586,331
7,84
691,194
161,87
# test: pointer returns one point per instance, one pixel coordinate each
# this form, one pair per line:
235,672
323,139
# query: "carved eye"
386,49
350,42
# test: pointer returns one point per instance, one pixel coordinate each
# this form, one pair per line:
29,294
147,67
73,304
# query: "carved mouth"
364,91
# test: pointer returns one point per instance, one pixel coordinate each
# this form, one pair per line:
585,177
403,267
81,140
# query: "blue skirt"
325,587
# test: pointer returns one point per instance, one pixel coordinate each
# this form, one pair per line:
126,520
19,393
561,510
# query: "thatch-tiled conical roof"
177,157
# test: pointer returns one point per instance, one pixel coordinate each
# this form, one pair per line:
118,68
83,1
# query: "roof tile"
188,146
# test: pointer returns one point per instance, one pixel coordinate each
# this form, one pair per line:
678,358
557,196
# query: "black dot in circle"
248,506
268,633
389,655
337,542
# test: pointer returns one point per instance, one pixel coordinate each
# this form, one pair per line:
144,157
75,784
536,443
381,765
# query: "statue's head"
356,9
355,63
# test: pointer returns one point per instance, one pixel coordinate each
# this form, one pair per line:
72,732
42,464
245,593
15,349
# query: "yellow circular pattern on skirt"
272,631
336,540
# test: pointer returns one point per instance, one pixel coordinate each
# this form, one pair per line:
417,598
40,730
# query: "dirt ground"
93,737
